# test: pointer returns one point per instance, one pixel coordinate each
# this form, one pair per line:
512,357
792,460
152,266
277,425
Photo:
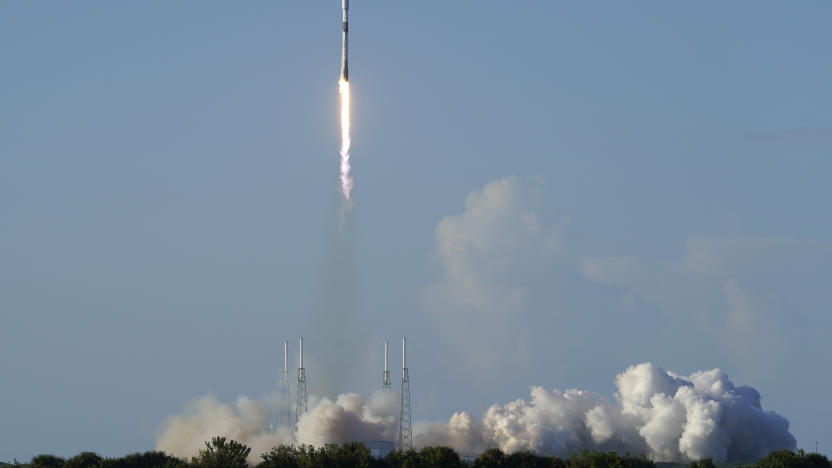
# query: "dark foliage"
427,457
222,453
704,463
83,460
284,456
797,459
491,458
152,459
440,457
532,460
349,455
47,461
586,459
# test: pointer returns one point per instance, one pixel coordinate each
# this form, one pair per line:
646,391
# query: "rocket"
345,8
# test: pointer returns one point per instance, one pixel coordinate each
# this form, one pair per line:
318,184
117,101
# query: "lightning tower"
300,408
285,411
405,430
385,377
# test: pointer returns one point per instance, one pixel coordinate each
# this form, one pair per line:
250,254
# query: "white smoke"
660,414
487,254
247,421
346,419
657,413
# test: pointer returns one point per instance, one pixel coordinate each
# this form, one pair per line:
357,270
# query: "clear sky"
645,181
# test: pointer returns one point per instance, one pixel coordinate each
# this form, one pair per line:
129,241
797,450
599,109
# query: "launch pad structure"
385,376
405,429
405,436
300,405
285,410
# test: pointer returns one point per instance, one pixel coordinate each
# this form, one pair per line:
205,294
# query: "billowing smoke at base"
657,413
203,418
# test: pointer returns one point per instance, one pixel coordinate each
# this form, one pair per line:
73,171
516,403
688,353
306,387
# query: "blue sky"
644,182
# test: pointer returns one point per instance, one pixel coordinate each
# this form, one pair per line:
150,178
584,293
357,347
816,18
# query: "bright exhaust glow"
346,180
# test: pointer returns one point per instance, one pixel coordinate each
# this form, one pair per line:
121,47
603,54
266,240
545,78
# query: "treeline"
223,453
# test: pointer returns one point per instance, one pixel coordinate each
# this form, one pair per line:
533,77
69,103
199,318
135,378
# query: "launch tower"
405,430
285,409
385,377
300,408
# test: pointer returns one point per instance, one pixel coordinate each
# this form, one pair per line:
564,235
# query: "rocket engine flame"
346,180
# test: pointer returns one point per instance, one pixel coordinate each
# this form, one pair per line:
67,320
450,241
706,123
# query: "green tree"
703,463
150,459
587,459
439,457
222,453
308,456
555,462
796,459
394,459
311,457
83,460
284,456
528,460
348,455
353,455
47,461
816,460
491,458
413,460
409,459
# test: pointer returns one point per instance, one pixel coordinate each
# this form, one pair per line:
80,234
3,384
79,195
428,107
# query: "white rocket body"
345,8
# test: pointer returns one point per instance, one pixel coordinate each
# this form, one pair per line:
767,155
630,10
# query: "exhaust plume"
346,180
657,413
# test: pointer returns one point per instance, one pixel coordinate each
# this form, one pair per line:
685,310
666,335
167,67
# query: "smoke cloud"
487,255
203,418
658,413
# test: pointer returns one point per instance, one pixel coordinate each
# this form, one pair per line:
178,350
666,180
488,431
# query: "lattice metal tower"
300,408
285,407
405,430
385,377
